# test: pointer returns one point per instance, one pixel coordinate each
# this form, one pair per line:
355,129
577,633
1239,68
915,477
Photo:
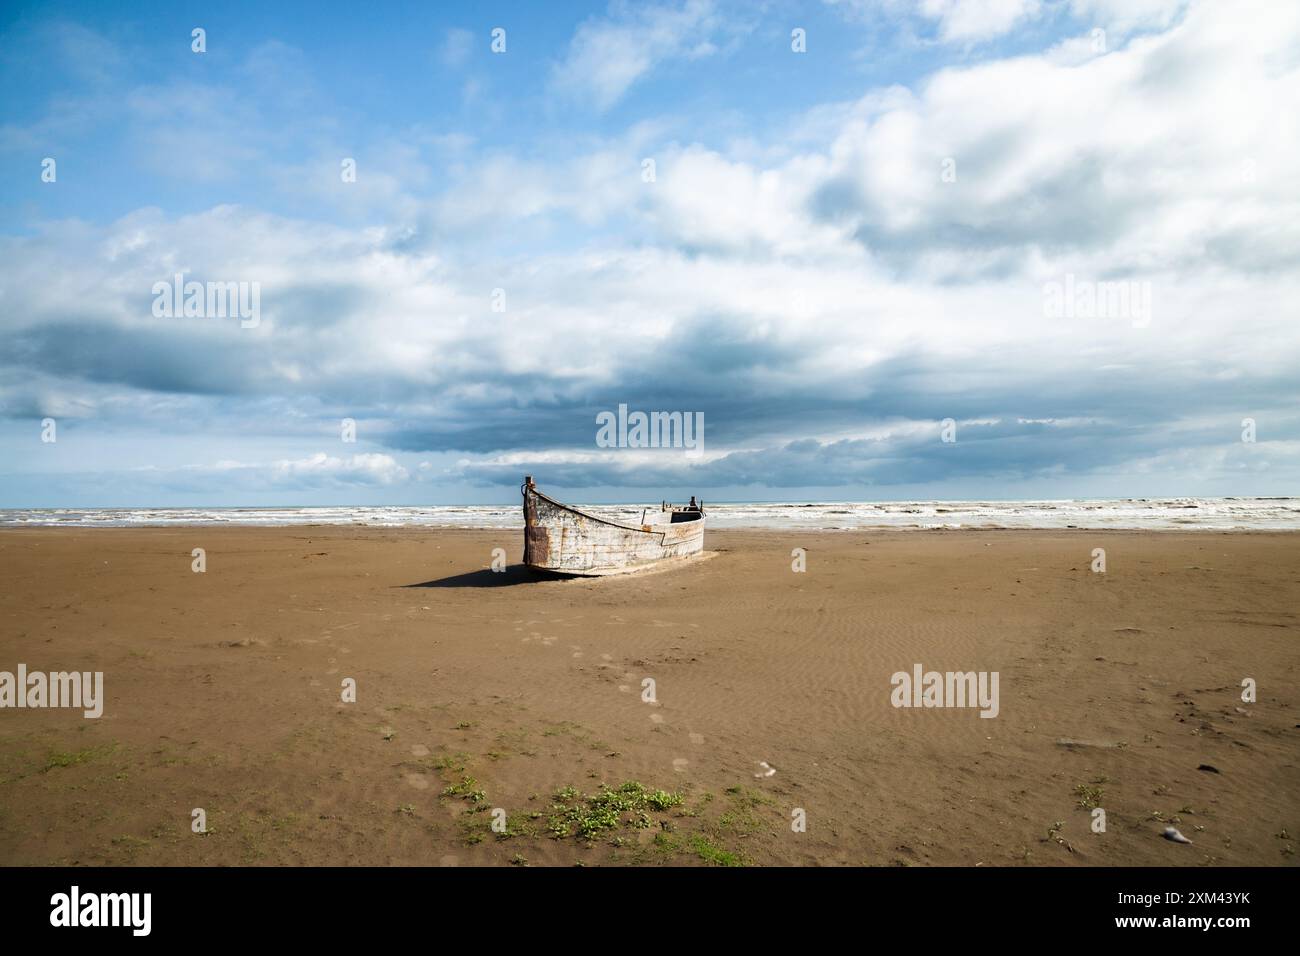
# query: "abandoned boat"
566,540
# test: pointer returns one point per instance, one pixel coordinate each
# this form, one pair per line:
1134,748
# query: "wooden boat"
569,541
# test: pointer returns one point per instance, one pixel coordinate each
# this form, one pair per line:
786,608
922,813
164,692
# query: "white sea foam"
1226,514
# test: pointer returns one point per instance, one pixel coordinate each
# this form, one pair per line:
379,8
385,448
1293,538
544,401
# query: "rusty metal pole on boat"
532,554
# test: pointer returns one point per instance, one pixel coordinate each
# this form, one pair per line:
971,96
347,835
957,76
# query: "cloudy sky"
828,253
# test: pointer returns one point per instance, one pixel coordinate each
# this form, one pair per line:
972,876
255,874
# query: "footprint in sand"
419,750
680,764
697,738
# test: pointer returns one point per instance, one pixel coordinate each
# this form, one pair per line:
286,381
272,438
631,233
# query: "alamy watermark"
651,430
208,300
923,688
83,691
1084,299
75,908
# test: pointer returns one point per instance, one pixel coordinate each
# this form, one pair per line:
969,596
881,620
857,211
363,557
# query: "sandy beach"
478,690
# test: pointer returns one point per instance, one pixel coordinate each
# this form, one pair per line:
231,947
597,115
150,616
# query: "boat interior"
680,516
669,514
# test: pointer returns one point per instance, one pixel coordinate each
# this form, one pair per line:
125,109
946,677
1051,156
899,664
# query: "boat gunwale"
607,521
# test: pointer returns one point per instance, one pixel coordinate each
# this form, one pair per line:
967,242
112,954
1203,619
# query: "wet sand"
477,690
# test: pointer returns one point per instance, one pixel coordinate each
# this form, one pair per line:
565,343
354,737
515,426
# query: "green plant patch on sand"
630,806
71,758
707,851
467,789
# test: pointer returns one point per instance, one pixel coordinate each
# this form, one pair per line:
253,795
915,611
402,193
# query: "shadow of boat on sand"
514,575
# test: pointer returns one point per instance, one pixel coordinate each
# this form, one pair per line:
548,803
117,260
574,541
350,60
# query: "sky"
947,249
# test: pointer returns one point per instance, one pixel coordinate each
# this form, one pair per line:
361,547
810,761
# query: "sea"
1209,514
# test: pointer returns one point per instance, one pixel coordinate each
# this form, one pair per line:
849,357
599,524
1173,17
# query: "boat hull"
568,541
